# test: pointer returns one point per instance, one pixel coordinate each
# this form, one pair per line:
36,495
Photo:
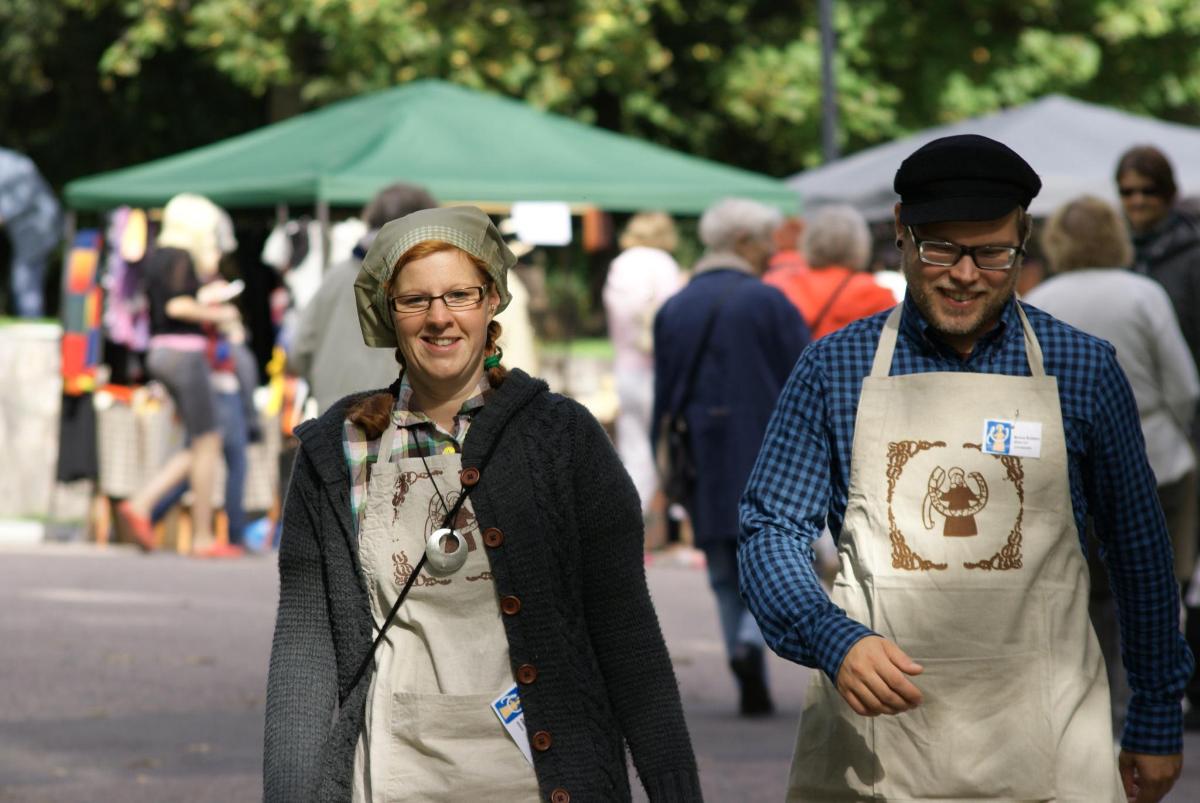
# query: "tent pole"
323,218
70,226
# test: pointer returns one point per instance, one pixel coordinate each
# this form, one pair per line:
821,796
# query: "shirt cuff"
1153,728
833,639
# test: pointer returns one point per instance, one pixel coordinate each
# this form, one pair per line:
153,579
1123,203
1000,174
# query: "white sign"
542,222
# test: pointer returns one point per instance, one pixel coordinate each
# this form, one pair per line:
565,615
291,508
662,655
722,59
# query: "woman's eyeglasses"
461,298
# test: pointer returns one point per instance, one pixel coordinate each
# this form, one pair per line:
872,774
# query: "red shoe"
139,526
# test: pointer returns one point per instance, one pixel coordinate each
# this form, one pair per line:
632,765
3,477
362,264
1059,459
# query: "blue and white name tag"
1014,438
512,716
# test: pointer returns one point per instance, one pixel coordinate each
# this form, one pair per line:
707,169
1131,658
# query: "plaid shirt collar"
405,417
919,331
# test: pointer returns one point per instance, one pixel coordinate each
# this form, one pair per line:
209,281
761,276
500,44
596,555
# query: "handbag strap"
816,323
694,367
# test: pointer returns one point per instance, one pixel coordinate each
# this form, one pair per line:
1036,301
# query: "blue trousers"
737,625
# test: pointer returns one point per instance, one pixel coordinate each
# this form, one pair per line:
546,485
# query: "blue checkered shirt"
802,475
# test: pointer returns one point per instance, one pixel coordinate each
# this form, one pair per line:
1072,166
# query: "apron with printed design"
970,561
430,733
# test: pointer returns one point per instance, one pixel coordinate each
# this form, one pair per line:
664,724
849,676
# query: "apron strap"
1033,349
882,365
887,344
384,455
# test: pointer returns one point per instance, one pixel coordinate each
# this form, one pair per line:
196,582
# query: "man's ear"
896,219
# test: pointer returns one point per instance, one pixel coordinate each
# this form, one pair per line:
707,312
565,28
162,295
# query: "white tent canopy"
1074,147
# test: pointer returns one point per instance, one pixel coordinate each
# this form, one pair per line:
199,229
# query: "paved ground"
130,678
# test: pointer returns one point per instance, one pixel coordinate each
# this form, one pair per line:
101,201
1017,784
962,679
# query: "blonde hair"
196,225
1086,233
651,230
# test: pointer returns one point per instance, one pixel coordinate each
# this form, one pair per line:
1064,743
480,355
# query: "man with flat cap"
959,663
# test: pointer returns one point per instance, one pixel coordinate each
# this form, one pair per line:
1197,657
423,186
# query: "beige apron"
971,563
430,733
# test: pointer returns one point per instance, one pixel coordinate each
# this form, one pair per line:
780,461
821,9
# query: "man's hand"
1148,778
872,678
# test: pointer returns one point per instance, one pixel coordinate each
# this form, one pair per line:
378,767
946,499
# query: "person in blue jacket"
755,338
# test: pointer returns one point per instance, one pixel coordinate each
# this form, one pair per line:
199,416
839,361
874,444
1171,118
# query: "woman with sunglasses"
1166,243
463,610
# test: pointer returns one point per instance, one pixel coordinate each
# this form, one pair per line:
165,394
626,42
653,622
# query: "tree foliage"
734,80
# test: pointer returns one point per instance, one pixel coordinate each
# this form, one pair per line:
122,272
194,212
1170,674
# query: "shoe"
748,668
216,550
139,526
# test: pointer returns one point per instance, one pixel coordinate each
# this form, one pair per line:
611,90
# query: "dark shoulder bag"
676,462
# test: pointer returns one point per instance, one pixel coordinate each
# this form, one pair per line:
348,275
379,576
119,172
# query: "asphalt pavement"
136,678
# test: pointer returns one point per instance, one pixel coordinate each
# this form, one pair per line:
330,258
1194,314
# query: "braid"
373,413
495,375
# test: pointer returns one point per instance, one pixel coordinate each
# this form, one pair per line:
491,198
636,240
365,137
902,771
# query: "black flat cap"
964,177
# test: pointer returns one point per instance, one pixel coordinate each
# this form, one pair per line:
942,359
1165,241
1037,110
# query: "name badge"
1015,438
512,716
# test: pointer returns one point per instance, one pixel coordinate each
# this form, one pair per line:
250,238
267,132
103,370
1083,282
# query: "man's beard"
954,326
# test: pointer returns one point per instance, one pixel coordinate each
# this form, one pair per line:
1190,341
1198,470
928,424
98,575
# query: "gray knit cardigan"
571,552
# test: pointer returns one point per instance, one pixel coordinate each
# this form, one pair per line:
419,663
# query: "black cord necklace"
434,553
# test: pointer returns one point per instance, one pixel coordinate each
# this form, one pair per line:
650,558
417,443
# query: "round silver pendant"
446,550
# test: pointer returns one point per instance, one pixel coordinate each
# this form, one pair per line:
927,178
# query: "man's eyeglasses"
944,254
461,298
1148,192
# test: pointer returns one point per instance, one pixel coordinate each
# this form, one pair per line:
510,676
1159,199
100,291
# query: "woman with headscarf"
194,235
463,611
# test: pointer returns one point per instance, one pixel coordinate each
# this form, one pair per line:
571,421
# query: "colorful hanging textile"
81,305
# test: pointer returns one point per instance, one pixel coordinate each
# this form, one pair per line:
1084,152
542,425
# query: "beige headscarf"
465,227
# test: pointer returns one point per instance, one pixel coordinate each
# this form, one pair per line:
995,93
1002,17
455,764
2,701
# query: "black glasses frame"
1014,251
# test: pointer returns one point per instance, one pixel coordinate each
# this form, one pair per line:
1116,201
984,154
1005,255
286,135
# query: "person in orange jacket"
835,289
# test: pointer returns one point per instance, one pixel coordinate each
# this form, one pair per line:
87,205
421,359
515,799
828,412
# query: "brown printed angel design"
950,495
402,569
404,483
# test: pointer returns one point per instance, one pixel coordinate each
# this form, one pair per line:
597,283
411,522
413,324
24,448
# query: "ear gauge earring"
899,243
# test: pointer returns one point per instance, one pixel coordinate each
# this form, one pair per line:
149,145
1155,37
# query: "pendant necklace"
442,557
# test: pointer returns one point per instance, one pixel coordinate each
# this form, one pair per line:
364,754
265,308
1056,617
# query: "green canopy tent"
463,145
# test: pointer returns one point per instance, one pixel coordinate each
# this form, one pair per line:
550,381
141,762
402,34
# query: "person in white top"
1084,241
639,280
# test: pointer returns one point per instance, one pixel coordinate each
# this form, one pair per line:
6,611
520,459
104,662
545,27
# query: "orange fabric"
810,290
787,260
